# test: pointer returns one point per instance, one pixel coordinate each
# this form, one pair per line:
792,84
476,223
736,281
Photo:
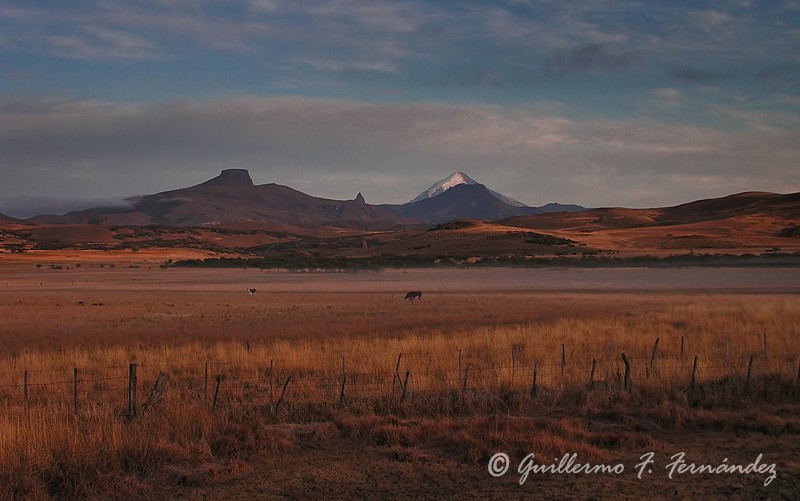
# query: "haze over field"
604,103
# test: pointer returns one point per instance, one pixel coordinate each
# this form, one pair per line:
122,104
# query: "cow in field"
414,294
251,291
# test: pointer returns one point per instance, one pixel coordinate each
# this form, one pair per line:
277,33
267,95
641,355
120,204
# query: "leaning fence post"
534,388
25,388
694,375
627,372
132,410
591,377
158,390
653,356
75,389
283,392
563,357
216,392
749,370
765,346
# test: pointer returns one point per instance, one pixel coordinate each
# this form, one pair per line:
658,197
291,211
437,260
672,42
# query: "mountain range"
233,197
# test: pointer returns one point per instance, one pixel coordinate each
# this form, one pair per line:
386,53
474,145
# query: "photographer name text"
677,465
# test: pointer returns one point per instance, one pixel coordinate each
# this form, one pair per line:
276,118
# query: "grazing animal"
414,294
251,291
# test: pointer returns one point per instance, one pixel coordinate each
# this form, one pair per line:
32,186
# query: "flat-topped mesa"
231,177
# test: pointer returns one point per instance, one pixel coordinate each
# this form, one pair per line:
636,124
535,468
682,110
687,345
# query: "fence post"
216,392
344,378
271,399
132,407
627,372
397,374
75,389
694,375
563,357
591,377
653,356
682,350
513,362
25,388
749,370
765,346
205,383
405,387
283,392
158,390
534,388
459,367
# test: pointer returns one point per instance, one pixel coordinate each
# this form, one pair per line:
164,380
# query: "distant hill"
610,218
8,219
232,197
461,197
750,222
464,201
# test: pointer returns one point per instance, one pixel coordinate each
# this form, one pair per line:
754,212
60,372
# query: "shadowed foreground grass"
470,389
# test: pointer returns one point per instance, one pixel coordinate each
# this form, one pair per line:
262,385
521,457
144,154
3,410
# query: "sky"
596,102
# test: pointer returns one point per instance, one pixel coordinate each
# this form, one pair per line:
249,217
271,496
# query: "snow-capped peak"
445,184
456,179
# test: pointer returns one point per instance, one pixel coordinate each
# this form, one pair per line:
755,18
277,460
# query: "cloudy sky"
597,102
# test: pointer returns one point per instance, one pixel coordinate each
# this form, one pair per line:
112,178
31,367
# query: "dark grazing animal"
251,291
414,294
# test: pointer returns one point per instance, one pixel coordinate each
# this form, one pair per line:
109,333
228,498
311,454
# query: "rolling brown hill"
741,223
232,197
745,223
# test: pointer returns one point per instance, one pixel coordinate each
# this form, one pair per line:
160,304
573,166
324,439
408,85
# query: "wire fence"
327,379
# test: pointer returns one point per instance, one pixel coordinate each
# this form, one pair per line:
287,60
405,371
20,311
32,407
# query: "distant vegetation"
309,261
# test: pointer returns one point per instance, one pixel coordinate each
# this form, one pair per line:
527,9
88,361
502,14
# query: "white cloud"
387,151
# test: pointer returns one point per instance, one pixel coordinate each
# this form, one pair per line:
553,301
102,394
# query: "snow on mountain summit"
455,179
445,184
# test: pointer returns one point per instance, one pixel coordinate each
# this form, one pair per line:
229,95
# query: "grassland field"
489,361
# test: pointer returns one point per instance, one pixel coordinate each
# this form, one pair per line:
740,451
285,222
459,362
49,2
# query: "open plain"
330,385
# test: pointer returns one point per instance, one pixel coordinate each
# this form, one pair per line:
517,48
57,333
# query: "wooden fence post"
158,390
534,388
591,377
563,357
405,387
271,399
216,392
749,371
283,393
459,366
397,374
653,356
694,376
25,388
344,378
132,402
682,350
627,372
765,346
513,362
75,389
205,382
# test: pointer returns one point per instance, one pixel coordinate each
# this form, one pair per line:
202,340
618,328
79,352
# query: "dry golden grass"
47,449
